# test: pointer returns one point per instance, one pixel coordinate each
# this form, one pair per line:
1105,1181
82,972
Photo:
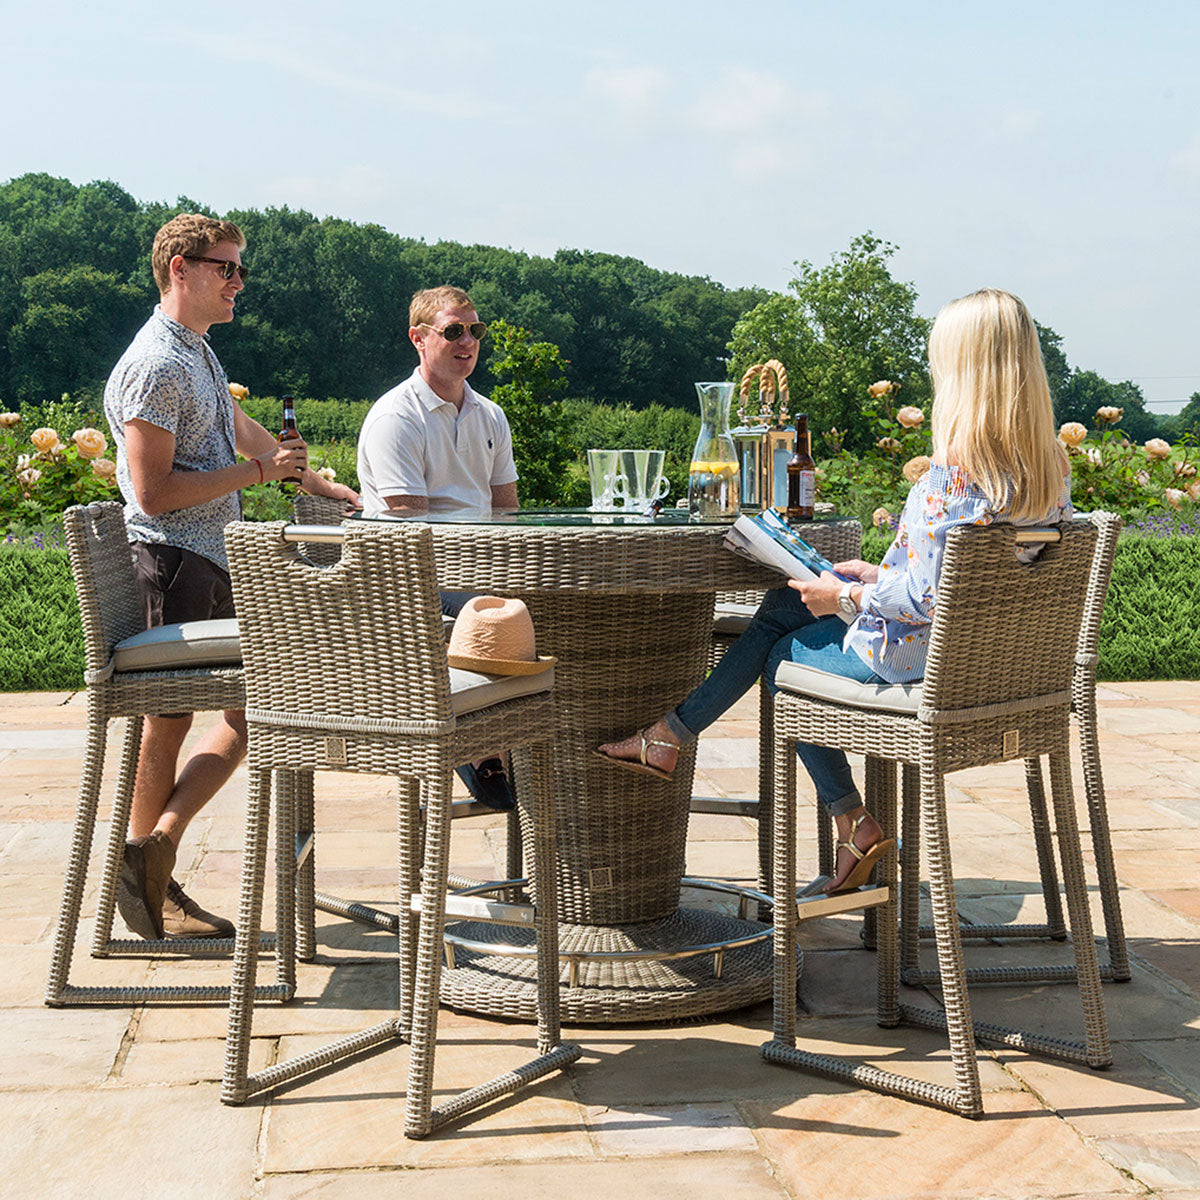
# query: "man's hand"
314,485
855,568
820,595
285,462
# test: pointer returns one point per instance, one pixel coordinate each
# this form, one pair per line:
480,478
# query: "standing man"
432,444
178,434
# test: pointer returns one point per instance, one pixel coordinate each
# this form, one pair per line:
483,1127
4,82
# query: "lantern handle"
779,380
748,378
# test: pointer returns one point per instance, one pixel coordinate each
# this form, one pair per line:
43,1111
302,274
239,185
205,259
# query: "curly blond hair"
189,233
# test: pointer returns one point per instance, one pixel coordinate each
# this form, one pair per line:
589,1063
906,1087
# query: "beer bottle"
288,430
801,475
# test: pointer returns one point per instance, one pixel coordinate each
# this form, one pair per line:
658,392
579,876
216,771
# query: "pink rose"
104,468
910,416
1157,448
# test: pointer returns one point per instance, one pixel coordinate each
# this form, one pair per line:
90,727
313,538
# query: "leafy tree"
532,374
843,327
1086,393
73,326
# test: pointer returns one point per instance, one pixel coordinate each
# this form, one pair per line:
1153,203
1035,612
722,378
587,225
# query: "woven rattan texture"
102,568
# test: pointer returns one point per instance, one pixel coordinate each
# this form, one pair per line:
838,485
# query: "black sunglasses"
455,330
227,267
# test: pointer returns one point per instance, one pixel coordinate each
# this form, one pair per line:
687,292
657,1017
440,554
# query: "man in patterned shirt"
179,433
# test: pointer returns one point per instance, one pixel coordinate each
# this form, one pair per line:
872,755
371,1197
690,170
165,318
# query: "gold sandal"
860,873
640,765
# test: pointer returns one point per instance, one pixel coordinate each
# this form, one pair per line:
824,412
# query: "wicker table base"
608,991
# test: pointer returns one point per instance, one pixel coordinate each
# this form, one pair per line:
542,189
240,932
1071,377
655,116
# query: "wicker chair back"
102,566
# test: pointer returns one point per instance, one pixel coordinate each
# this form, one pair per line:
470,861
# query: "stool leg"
118,830
1087,970
766,739
409,841
1093,781
306,874
910,869
81,847
885,926
430,931
514,848
545,895
949,942
879,790
287,783
245,948
783,826
1056,927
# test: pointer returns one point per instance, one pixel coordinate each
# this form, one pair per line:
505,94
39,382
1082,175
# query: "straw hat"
495,637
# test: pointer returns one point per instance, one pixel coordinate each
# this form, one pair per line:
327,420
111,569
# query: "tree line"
325,314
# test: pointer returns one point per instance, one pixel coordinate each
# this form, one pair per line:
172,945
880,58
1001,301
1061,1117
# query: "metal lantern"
764,439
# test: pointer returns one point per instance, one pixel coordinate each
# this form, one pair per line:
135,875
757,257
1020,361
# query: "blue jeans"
782,630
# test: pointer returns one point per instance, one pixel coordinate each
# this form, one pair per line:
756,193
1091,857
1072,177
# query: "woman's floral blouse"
892,634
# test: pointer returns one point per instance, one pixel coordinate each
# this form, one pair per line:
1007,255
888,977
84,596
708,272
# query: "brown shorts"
177,585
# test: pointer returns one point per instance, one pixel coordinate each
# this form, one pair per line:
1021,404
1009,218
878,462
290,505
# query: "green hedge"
41,639
1151,626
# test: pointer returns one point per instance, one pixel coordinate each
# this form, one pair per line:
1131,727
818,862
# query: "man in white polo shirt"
432,444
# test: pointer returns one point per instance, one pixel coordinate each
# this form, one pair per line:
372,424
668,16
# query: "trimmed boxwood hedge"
1151,626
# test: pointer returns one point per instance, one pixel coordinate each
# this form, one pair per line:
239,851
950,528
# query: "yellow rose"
46,440
1184,470
910,416
327,473
881,517
884,387
1109,414
8,420
888,445
916,467
1072,433
1173,496
1157,448
239,391
1193,490
105,468
91,443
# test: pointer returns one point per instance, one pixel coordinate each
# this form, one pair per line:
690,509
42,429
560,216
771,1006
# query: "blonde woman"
995,458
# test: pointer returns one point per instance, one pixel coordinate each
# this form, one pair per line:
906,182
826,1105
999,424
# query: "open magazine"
767,538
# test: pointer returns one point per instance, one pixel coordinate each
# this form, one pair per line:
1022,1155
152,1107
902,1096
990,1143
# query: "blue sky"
1051,148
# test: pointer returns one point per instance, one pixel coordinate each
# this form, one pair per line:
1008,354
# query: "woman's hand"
855,568
820,595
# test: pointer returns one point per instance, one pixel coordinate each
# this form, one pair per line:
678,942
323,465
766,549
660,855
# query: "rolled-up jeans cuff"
846,804
678,728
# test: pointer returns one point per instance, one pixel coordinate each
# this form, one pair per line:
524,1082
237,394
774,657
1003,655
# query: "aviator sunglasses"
227,267
455,330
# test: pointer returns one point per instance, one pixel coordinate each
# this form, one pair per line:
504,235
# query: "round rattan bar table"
626,604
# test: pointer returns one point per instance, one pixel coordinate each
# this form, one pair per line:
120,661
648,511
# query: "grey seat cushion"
822,685
731,620
470,691
190,644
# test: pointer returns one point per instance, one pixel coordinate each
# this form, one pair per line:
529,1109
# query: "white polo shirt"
414,443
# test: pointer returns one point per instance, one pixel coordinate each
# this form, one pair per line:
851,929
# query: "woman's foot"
860,846
652,751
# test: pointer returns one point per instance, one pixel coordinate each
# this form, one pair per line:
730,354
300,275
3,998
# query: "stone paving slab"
680,1111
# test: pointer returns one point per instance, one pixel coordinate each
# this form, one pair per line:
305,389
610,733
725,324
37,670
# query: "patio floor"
124,1102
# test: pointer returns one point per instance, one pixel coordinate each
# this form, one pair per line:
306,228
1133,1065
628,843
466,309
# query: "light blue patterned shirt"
892,634
170,377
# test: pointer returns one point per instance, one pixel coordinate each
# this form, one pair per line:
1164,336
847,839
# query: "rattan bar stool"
131,672
322,510
346,670
997,686
1083,705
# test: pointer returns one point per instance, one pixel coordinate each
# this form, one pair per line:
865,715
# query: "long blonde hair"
991,402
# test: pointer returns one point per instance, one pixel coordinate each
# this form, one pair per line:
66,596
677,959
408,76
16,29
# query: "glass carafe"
714,478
